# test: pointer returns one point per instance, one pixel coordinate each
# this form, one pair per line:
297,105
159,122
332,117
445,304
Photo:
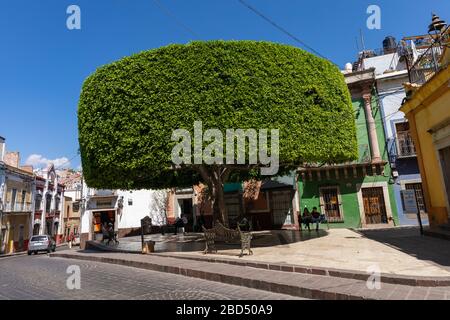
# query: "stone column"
371,128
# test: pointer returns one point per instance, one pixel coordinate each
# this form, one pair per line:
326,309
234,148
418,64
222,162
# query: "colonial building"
391,71
71,221
49,203
16,207
272,204
359,193
427,110
124,209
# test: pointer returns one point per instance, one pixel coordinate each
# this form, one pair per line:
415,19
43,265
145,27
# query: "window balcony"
17,207
403,146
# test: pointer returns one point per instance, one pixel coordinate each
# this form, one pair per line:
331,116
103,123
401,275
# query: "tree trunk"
213,177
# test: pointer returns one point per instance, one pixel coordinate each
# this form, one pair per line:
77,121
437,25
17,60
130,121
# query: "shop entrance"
100,218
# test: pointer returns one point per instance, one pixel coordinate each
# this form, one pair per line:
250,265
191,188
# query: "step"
295,284
332,272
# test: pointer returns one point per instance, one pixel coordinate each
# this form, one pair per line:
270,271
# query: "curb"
22,253
331,272
10,255
234,279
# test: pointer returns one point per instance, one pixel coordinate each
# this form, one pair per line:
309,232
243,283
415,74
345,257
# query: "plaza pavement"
397,251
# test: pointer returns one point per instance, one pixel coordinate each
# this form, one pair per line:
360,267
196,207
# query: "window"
57,201
417,187
282,208
331,205
405,144
130,201
37,204
48,202
13,197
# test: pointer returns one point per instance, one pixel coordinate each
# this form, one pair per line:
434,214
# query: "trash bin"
149,246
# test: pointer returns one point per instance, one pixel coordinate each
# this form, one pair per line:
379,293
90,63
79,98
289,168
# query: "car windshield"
39,238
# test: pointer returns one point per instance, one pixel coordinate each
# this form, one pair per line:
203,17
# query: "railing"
17,207
401,146
427,64
405,144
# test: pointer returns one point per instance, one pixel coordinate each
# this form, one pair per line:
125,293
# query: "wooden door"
374,205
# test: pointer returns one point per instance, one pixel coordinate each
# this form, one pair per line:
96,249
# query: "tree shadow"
408,240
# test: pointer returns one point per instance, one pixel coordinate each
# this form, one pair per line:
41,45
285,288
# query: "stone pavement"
40,277
298,284
395,251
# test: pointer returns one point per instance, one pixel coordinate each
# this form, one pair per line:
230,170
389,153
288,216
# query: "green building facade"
360,193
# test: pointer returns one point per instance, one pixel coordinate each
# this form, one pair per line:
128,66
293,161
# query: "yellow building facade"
428,113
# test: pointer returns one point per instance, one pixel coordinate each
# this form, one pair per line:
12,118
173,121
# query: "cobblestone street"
42,277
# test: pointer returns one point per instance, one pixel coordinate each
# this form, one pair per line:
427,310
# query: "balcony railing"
401,146
17,207
427,64
405,144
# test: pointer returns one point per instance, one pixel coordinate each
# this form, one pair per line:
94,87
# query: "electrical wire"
169,14
277,26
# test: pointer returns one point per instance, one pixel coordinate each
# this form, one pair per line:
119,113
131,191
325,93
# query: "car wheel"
29,253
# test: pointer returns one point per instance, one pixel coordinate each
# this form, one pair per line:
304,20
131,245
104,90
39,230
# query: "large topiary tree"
129,109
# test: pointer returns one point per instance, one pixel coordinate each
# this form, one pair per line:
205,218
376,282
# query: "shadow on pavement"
194,242
409,241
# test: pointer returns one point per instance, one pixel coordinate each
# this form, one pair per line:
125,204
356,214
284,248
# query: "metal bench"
219,233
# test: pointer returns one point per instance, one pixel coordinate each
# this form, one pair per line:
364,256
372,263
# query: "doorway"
374,205
444,155
186,208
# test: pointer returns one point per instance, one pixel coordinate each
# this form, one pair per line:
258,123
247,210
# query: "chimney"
2,148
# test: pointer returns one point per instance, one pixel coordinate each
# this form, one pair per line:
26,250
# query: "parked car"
41,243
76,240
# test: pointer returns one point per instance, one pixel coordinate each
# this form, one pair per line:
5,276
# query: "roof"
272,184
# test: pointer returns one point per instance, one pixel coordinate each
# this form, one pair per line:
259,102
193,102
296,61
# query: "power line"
67,161
173,17
273,23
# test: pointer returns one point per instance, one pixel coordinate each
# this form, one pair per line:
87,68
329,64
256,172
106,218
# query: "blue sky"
43,64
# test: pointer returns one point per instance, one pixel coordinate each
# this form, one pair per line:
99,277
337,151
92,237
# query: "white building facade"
124,209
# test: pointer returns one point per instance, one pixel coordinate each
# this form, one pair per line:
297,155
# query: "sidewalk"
292,283
21,253
397,251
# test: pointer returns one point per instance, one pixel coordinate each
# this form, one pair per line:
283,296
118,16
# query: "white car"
76,240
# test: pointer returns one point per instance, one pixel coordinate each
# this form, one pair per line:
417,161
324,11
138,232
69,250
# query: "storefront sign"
409,201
